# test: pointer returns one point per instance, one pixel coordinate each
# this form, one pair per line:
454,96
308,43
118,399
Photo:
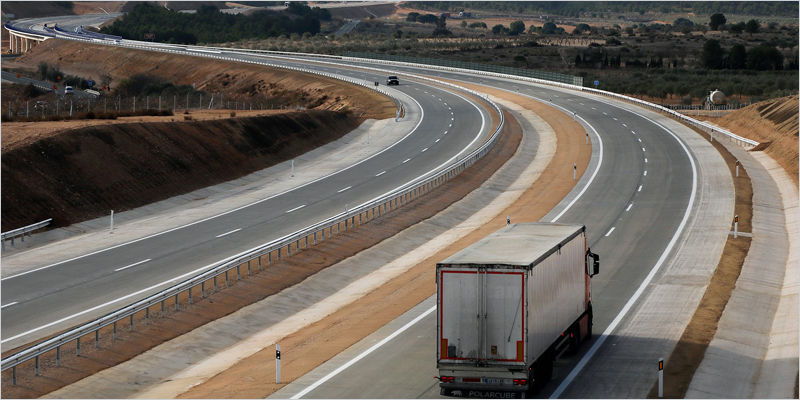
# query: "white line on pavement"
407,160
640,188
425,149
629,207
228,233
612,230
340,191
381,173
364,354
135,264
296,208
9,304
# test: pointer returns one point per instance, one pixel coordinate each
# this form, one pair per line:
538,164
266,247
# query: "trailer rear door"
481,315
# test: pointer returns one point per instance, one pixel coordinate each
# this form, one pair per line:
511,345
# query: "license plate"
492,380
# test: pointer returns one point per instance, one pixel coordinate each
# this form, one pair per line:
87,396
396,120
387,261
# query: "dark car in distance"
392,80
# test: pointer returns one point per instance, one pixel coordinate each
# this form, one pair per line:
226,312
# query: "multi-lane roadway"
638,193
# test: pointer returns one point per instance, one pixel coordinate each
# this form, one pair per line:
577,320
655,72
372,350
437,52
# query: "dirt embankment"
774,123
83,173
234,80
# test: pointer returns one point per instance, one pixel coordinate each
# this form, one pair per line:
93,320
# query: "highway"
53,297
638,193
11,78
632,210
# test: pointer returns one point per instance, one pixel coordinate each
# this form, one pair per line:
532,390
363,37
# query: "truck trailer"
508,305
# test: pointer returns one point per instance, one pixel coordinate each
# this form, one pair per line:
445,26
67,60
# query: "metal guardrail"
363,213
22,231
528,73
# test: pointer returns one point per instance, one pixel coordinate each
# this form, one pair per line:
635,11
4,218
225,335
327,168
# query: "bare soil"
234,80
82,173
773,123
679,369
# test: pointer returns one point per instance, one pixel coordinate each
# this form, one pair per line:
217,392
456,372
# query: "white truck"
508,305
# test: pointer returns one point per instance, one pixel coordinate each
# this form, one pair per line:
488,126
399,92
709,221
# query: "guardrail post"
203,290
36,367
58,356
162,308
248,268
306,242
115,330
238,273
176,302
289,249
269,255
190,296
78,351
315,238
279,253
14,375
131,328
259,260
146,316
226,278
97,338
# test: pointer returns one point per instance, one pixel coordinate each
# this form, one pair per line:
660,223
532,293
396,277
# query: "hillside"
81,174
774,121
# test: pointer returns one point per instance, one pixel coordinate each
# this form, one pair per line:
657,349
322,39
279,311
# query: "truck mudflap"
482,393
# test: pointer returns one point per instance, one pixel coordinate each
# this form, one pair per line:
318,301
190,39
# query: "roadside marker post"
574,172
661,377
277,363
112,222
735,226
737,168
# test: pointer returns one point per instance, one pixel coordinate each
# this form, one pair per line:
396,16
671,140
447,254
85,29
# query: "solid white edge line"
342,190
296,208
364,354
134,264
611,230
649,277
228,233
9,304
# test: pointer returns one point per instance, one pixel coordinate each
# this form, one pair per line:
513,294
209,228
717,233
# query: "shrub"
187,117
233,114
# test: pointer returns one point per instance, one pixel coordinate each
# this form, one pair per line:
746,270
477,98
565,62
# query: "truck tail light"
446,379
520,382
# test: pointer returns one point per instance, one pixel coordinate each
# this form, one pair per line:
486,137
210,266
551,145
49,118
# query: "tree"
549,28
737,57
764,58
716,21
751,26
516,28
441,27
712,56
463,24
737,27
498,29
412,17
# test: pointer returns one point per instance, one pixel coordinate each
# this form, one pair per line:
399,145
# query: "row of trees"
584,8
209,25
760,58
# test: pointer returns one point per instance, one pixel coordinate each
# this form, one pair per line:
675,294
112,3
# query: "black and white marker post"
737,168
575,172
277,363
661,377
735,226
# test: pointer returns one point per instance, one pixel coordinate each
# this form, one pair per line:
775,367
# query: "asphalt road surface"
450,126
632,210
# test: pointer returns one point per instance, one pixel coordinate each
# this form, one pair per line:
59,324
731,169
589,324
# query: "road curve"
54,297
